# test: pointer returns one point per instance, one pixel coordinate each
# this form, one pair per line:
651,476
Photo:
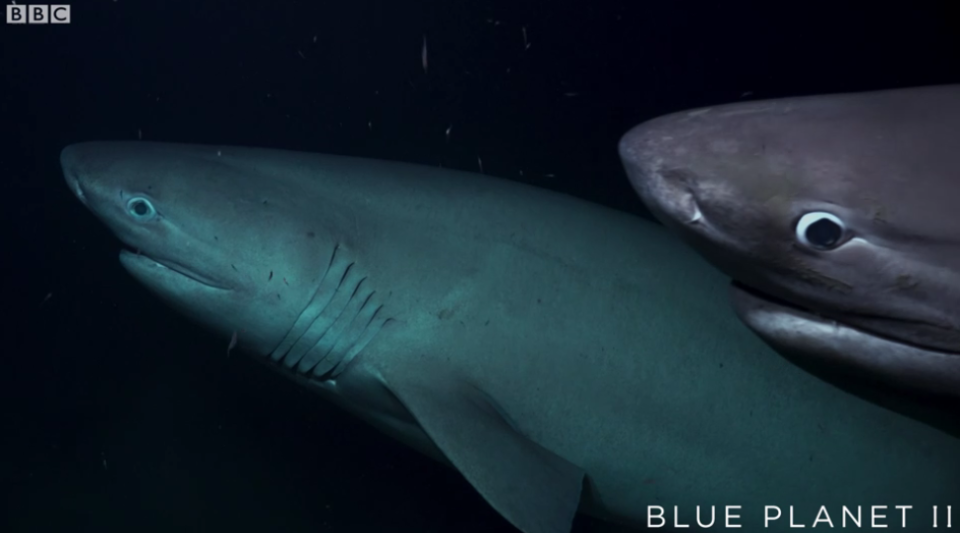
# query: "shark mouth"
802,335
851,320
766,296
136,255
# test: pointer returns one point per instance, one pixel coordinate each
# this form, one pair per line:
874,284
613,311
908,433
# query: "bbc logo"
38,14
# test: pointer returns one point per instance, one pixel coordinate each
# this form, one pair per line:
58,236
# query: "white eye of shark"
820,231
140,208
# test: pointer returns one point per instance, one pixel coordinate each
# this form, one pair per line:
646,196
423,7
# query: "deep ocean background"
116,414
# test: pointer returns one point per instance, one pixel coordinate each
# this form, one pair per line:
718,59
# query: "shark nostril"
673,193
689,204
77,189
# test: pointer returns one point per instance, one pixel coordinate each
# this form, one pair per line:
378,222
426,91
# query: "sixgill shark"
839,216
560,355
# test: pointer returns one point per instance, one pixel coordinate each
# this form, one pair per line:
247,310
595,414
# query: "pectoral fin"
533,488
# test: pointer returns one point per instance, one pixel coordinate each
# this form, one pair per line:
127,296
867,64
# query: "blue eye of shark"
820,231
140,208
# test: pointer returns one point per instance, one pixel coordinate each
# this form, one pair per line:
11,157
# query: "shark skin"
562,356
837,216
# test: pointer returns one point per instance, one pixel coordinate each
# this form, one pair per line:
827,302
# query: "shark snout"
649,156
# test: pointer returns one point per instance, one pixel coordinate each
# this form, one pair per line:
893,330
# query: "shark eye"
820,231
140,208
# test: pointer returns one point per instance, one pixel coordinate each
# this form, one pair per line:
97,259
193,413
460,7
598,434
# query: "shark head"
208,231
836,216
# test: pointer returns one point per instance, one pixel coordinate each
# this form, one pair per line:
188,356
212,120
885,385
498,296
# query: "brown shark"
837,215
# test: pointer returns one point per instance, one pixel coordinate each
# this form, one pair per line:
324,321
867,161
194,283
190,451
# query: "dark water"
118,415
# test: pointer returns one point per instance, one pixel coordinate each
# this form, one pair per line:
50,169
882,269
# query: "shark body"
837,215
560,355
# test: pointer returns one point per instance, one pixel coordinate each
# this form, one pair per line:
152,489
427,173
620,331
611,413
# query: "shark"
562,356
836,215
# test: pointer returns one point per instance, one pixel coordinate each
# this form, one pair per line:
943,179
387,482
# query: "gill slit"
343,316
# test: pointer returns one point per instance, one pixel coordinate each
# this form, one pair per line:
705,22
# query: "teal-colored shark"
560,355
